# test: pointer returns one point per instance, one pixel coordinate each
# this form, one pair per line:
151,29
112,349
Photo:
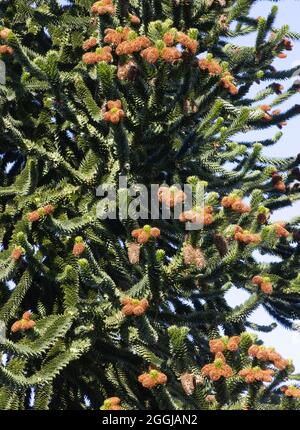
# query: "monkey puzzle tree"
130,313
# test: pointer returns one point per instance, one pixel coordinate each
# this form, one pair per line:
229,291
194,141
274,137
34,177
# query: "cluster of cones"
114,112
173,37
245,236
213,68
235,203
227,82
126,42
224,343
152,378
116,36
123,39
103,7
166,49
17,252
39,213
134,306
143,235
101,54
170,196
264,283
193,255
268,354
253,374
198,216
218,369
210,65
111,404
26,323
290,391
154,53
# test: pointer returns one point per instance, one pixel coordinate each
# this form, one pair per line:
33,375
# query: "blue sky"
285,341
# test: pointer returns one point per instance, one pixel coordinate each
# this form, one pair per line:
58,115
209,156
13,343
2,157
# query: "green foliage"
180,125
